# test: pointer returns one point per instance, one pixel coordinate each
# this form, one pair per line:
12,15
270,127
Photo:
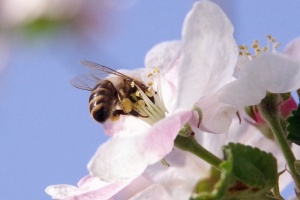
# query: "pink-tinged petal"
268,72
125,125
288,106
125,157
159,141
293,49
89,188
209,53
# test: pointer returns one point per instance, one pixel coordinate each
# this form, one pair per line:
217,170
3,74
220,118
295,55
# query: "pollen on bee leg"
126,105
114,117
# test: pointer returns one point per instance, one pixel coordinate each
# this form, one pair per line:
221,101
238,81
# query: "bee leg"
116,114
137,114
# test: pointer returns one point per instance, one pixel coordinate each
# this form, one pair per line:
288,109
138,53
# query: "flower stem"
191,145
270,112
285,148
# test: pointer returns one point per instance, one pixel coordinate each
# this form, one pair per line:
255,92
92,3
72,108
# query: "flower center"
152,104
271,47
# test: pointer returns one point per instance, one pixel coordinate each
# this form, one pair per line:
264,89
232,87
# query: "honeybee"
110,98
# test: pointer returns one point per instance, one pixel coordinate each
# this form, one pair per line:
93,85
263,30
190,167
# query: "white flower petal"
209,53
217,116
293,49
61,191
162,55
119,159
179,178
268,72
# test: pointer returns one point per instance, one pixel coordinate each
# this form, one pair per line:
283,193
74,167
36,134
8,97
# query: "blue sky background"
47,135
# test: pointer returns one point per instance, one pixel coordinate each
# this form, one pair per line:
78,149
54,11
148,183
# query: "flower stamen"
153,104
271,47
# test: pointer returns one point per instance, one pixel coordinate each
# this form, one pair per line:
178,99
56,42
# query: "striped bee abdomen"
103,100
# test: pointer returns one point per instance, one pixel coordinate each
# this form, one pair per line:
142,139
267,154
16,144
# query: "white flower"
267,71
201,64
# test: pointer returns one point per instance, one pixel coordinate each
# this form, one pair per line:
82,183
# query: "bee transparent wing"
102,69
85,81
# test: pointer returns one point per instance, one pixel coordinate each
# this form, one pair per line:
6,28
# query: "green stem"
285,148
191,145
269,110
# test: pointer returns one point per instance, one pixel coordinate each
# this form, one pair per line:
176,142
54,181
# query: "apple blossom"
202,63
176,181
268,71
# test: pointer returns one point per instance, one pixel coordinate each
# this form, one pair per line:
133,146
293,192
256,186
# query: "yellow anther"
141,103
132,84
255,45
273,40
243,47
276,45
137,93
264,49
148,92
149,75
150,83
156,70
257,51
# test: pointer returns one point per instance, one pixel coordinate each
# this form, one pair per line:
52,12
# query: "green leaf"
247,173
293,126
